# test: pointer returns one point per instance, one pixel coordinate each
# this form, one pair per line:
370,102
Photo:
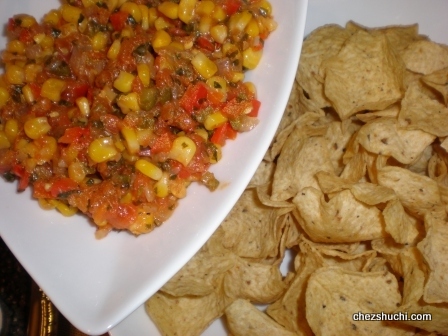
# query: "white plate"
431,16
96,284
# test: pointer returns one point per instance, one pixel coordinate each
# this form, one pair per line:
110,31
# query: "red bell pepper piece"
222,133
193,97
61,186
161,144
23,175
232,6
205,43
74,135
118,20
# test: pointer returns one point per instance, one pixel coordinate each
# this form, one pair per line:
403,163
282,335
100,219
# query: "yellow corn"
161,187
70,13
152,16
31,71
177,46
183,150
124,81
239,21
132,9
266,6
88,3
161,39
52,89
187,10
63,208
131,139
4,142
127,198
251,58
26,21
102,149
143,224
4,96
145,16
252,28
203,65
160,23
169,9
219,33
47,146
149,169
251,87
127,32
28,94
205,23
219,14
114,49
144,73
217,83
52,17
43,203
214,120
11,129
15,74
36,127
76,171
83,105
205,7
112,4
99,41
202,133
128,103
237,77
16,47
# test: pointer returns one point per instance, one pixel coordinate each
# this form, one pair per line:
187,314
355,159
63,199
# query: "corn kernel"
99,41
4,96
127,32
52,17
70,13
203,65
251,58
16,47
145,16
217,83
266,6
128,103
127,198
63,208
132,9
202,133
131,139
52,89
149,169
237,77
152,16
47,146
112,4
205,7
161,39
124,81
15,74
83,105
4,142
36,127
88,3
205,23
219,33
44,204
26,21
114,49
183,150
239,21
143,224
102,149
11,129
160,23
31,71
251,87
187,10
219,14
144,73
161,187
169,9
76,171
214,120
252,28
28,94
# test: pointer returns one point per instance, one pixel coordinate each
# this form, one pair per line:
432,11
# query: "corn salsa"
112,108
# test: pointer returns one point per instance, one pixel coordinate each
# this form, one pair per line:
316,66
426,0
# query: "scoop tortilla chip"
365,75
382,136
420,112
342,220
425,57
334,295
245,320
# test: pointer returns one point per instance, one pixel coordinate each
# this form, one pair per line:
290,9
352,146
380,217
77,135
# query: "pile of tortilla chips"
355,185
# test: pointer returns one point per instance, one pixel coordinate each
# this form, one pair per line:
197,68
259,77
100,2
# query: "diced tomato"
121,216
137,85
23,175
61,186
118,20
205,43
74,135
255,108
193,97
234,108
232,6
222,133
12,24
74,91
26,36
40,189
162,143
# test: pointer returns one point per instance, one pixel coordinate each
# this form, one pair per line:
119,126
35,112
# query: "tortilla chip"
334,295
321,44
425,57
299,160
245,320
417,193
263,175
251,229
390,112
342,220
438,80
434,249
365,75
187,315
420,112
382,136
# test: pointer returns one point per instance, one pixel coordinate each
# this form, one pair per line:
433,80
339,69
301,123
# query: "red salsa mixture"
112,108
